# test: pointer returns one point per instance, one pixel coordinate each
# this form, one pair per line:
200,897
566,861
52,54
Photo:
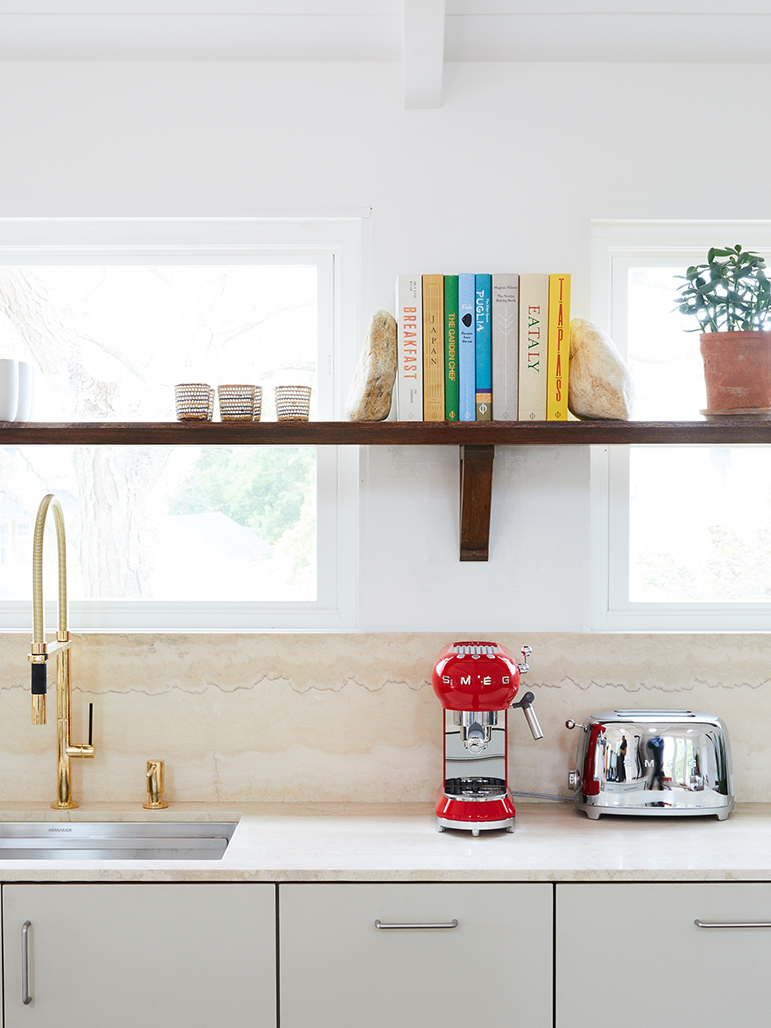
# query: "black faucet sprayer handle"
39,678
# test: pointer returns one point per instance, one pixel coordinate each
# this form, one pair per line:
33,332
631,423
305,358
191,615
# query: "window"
112,314
683,534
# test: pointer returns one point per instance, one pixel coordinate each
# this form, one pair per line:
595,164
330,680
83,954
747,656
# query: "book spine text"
466,349
433,347
483,347
409,319
505,347
533,328
451,391
559,348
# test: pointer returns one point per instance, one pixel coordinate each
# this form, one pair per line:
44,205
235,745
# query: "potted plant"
730,297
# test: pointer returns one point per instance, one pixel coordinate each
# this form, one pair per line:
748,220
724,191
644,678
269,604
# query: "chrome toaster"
653,762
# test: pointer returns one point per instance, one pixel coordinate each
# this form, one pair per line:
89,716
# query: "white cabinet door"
141,955
631,955
338,969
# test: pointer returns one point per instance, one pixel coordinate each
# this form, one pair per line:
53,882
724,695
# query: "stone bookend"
599,381
369,398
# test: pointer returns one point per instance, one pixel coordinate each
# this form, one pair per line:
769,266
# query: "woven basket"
240,402
194,401
293,403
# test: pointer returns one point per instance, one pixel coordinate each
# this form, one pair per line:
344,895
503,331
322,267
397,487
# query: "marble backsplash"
296,717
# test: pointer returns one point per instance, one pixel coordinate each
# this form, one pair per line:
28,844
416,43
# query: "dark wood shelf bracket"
476,493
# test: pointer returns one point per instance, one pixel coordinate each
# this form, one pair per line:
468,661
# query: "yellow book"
558,357
433,347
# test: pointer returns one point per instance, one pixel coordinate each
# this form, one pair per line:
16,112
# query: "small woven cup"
293,403
194,401
240,402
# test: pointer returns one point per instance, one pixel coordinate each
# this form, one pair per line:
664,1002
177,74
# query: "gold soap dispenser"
155,786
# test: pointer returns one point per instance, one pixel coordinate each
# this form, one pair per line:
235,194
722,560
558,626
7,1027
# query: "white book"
409,322
505,317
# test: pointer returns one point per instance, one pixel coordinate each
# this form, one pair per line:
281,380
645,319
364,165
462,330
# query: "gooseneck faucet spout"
40,651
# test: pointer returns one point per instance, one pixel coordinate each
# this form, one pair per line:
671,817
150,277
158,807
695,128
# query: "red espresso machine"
476,683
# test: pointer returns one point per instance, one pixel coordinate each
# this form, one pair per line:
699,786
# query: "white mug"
26,391
9,389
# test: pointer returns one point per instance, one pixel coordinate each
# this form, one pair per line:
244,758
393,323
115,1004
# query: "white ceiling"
422,33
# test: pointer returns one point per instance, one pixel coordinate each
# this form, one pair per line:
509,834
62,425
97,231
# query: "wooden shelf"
476,442
386,433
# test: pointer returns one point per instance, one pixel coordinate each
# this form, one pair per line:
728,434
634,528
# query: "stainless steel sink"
114,840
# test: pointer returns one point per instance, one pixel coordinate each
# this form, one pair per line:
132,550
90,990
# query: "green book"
451,396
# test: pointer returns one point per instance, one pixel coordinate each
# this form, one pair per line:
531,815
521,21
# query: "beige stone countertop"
553,842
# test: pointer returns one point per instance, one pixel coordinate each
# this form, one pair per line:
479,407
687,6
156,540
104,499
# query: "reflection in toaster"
634,767
655,762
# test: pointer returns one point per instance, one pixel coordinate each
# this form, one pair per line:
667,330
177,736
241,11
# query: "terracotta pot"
737,370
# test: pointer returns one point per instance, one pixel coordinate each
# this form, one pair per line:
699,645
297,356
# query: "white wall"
505,176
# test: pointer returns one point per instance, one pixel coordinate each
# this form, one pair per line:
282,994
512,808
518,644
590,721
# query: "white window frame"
335,242
615,246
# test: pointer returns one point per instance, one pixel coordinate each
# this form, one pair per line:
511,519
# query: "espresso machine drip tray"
475,788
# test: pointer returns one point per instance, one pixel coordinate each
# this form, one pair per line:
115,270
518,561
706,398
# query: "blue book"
483,346
466,349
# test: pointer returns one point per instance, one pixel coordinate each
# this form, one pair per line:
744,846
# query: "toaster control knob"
574,780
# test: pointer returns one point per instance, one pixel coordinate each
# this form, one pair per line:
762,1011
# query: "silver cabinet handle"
422,926
732,924
25,996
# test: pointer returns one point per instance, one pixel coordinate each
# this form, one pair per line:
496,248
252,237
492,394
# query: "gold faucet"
41,651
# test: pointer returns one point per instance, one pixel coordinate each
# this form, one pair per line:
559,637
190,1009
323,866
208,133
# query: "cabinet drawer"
632,954
338,968
139,955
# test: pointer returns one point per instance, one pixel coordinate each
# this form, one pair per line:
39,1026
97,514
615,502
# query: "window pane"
664,358
165,523
699,522
111,341
182,523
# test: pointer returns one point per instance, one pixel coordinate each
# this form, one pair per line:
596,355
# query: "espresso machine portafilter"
476,683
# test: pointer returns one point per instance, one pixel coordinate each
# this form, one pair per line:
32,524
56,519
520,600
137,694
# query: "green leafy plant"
729,293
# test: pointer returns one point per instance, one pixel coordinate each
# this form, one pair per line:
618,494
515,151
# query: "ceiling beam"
423,52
